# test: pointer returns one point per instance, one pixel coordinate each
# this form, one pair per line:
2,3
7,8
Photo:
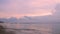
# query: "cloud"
3,1
22,7
57,12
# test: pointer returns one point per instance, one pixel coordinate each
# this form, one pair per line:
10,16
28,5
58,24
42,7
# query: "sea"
32,28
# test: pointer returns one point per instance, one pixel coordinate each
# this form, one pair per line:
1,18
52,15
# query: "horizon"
29,16
30,10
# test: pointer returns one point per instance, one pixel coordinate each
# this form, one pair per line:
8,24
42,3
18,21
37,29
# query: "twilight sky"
19,8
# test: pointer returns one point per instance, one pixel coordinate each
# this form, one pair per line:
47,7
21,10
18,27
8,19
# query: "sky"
19,8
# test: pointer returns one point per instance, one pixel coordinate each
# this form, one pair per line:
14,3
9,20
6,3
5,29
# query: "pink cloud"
19,8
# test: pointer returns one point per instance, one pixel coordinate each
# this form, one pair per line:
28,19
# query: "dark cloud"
4,1
57,8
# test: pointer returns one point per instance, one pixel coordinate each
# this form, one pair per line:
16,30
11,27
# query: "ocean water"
56,29
33,28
